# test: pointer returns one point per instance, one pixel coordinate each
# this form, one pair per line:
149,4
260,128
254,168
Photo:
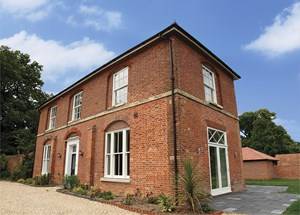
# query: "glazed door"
218,157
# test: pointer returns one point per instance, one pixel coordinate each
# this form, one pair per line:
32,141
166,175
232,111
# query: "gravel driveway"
17,198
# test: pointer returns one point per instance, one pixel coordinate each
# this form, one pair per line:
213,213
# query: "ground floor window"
117,154
46,159
218,157
72,151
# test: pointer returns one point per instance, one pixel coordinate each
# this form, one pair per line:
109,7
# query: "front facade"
131,123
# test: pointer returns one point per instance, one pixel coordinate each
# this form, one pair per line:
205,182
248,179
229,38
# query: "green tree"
21,94
259,131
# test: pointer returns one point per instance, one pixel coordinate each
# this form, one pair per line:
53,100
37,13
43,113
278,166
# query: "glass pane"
128,163
223,167
108,164
108,143
49,152
118,164
120,141
208,94
213,167
74,148
116,136
127,141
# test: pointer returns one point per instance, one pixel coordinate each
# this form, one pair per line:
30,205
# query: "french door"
72,151
218,157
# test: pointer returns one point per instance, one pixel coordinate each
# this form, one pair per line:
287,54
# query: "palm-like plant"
193,194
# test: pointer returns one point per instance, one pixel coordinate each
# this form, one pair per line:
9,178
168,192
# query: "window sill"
216,105
118,180
73,121
116,106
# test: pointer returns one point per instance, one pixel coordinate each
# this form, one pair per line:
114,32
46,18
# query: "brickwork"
148,114
288,166
258,169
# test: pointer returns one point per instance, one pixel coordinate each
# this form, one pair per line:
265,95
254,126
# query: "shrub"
93,192
42,180
165,203
18,173
21,180
129,199
193,194
29,181
80,190
107,195
71,181
150,198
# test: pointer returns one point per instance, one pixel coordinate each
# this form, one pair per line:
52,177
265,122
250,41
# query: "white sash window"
46,159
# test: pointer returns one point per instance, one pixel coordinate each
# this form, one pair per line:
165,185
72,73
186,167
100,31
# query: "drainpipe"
172,77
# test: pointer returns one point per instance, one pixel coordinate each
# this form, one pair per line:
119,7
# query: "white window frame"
221,190
52,117
46,162
112,176
212,88
75,107
71,142
115,89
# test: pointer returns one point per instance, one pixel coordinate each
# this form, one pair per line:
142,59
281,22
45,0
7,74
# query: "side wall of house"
258,169
195,115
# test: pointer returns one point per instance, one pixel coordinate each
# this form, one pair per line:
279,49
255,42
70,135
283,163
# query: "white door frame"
71,142
220,190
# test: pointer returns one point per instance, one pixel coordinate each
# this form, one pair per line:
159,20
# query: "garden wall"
13,161
288,166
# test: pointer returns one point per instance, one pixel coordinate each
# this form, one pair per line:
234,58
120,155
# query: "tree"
259,131
21,94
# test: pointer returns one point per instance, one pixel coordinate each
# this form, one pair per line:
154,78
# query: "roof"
250,154
173,28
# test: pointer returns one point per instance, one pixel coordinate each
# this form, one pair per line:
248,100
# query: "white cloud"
32,10
59,60
292,126
97,18
283,36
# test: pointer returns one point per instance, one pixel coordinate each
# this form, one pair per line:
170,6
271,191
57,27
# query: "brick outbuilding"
132,122
257,165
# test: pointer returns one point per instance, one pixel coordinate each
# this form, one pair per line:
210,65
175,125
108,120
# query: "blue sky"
260,40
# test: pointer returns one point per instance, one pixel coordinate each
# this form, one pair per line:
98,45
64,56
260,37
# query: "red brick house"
132,122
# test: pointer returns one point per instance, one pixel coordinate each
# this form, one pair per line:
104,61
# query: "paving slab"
256,200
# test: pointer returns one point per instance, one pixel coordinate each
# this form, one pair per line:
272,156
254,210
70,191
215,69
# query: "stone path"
256,200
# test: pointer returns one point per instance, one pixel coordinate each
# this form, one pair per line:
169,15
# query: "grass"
293,187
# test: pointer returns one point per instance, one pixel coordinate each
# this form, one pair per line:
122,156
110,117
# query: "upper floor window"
46,159
120,86
209,85
52,117
117,152
77,103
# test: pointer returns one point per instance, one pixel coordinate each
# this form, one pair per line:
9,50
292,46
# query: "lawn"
293,187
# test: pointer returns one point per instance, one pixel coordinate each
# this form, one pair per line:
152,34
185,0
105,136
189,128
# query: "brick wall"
288,166
13,161
258,169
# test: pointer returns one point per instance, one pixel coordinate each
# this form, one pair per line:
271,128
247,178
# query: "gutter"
172,78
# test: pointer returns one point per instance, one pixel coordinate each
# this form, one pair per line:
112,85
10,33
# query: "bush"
80,190
29,181
42,180
105,195
21,180
150,198
129,199
165,203
93,192
193,194
71,181
18,173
